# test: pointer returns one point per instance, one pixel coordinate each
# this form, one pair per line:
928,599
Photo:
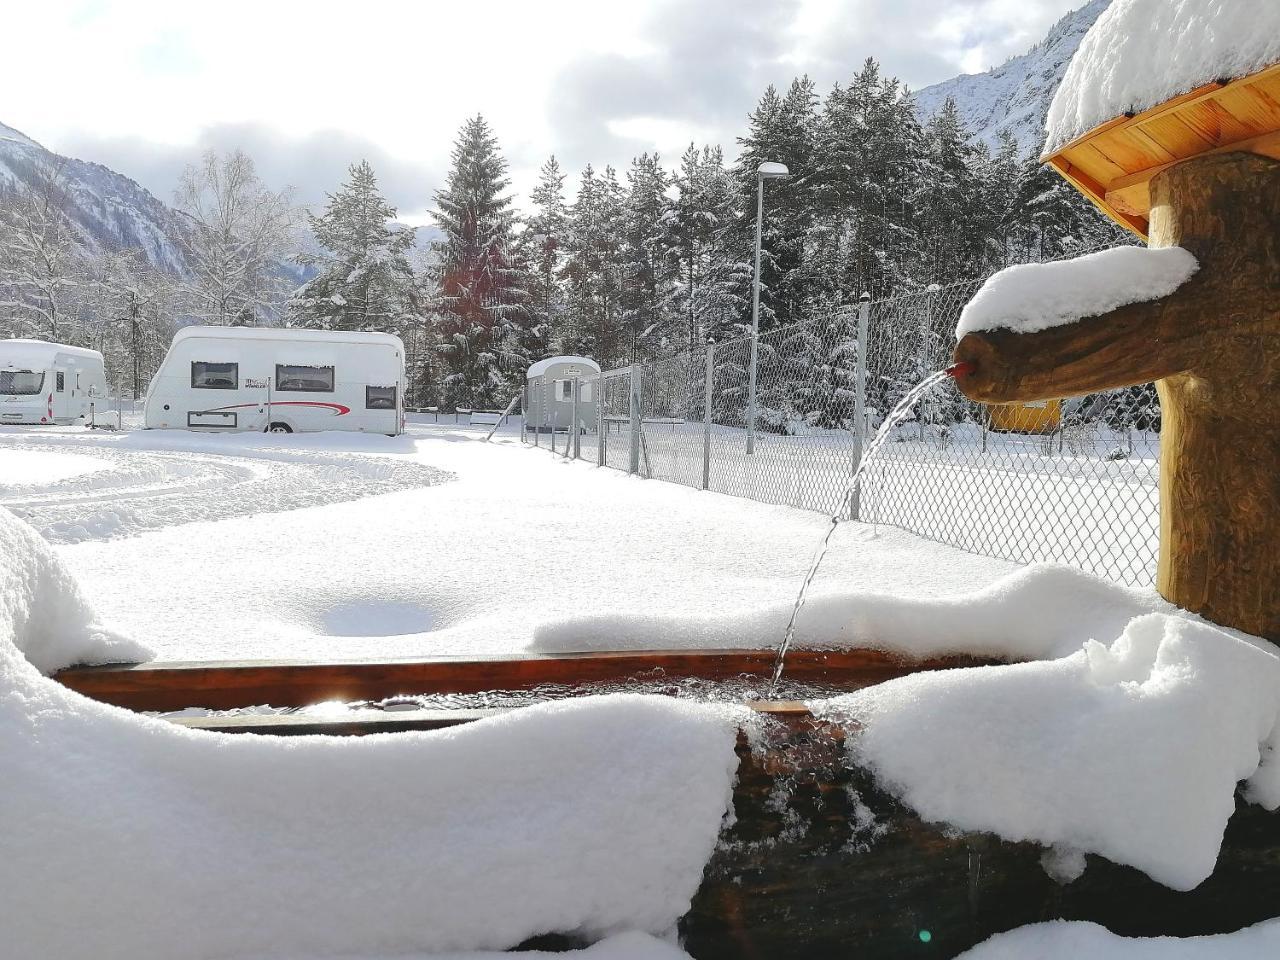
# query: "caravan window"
59,381
564,390
304,379
20,382
379,398
214,376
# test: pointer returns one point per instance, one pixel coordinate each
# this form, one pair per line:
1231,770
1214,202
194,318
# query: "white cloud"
580,78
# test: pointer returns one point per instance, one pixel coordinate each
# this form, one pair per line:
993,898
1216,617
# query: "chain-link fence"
1073,481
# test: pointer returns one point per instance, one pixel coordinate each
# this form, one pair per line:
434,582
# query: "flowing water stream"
896,416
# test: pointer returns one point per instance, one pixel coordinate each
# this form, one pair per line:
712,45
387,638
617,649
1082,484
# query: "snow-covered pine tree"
1000,176
593,270
543,248
949,200
364,272
784,130
480,290
708,277
646,267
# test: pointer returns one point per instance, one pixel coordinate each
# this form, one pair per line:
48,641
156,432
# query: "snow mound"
1041,611
1037,296
1141,53
1131,750
624,946
43,615
1071,940
594,816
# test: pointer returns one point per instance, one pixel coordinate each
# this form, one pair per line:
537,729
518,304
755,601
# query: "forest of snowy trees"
637,264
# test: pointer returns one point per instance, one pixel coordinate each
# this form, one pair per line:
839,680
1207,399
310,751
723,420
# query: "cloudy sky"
306,88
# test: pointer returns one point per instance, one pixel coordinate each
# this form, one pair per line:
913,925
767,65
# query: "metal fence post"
634,405
706,416
599,421
860,398
537,428
577,435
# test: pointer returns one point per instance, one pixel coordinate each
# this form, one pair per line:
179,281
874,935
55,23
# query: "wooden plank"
1131,194
1097,195
233,685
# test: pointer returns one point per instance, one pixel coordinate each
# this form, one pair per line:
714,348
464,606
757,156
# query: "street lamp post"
766,171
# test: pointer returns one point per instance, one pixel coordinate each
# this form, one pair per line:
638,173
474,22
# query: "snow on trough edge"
1036,296
42,612
1071,940
184,844
1141,53
1132,750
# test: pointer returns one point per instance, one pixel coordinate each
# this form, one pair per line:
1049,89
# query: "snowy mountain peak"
17,136
108,210
1016,95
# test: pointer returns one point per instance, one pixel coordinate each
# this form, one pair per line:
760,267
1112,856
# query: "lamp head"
772,171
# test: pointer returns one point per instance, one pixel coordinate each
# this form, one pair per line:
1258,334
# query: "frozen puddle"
23,469
124,492
378,619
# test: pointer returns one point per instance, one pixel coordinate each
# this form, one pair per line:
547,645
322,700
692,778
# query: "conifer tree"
646,293
543,249
480,289
784,130
365,275
593,270
706,274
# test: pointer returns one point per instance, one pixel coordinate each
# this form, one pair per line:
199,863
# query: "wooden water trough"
819,861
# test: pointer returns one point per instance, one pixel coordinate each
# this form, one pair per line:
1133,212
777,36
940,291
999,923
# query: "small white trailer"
50,383
278,379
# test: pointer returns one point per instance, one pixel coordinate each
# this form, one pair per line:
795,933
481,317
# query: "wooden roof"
1113,164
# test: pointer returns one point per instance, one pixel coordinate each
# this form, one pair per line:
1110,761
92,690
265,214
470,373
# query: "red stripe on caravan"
338,408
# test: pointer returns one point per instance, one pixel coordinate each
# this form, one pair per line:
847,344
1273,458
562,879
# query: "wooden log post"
819,861
1213,348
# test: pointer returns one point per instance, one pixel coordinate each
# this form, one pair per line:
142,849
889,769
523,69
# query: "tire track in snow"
151,489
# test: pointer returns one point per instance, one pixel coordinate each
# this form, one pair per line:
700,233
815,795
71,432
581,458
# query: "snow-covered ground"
335,545
1125,736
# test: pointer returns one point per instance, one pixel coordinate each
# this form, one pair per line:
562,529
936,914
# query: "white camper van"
49,383
224,379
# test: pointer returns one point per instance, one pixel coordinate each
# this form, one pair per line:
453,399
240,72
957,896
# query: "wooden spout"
1213,348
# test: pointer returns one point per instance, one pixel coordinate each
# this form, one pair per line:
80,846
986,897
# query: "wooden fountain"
819,861
1200,172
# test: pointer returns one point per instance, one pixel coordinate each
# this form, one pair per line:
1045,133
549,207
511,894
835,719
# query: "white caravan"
277,379
49,383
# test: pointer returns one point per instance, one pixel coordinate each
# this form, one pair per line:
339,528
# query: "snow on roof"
1141,53
1037,296
542,366
285,333
28,352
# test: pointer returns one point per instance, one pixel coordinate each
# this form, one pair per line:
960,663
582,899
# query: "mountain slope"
109,210
1016,95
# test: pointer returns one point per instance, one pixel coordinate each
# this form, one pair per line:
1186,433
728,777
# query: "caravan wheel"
279,428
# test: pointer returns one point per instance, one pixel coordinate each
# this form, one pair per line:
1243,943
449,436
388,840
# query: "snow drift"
1041,611
1063,940
1036,296
1131,750
128,837
1141,53
43,615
